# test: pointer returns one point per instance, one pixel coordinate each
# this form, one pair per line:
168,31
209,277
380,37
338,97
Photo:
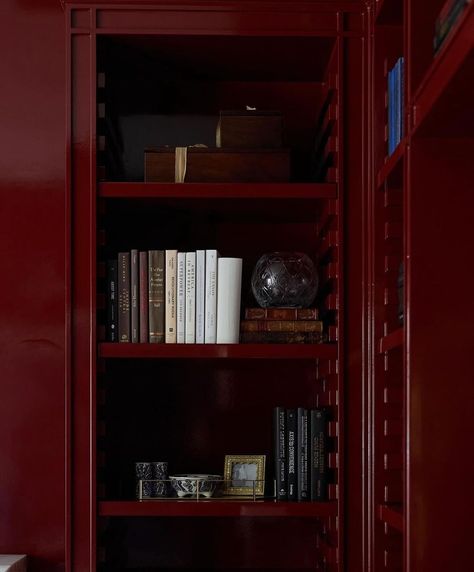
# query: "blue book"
397,105
390,112
402,93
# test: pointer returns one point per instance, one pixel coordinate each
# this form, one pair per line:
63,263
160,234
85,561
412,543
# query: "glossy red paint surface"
33,507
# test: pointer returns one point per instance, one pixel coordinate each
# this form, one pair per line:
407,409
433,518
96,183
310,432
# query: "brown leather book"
281,326
156,296
281,314
134,295
143,296
282,337
124,296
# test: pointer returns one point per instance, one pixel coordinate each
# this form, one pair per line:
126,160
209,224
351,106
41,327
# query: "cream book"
229,285
210,321
171,291
180,319
200,294
190,306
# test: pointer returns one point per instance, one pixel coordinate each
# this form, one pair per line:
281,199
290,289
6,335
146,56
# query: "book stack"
166,296
395,105
446,21
300,453
281,326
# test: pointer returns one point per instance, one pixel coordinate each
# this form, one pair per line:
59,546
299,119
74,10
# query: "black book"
318,460
302,454
134,294
124,296
112,301
291,453
279,447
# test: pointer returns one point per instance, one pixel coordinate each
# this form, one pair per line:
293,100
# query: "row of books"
282,325
300,452
446,21
395,105
159,296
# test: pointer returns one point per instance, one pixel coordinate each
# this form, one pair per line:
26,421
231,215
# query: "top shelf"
389,12
132,190
443,102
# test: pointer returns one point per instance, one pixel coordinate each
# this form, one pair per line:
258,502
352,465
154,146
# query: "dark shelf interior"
169,90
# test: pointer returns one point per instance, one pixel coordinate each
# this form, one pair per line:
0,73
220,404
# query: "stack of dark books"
281,326
447,19
300,452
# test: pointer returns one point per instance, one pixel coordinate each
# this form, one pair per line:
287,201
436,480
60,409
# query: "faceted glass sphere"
285,279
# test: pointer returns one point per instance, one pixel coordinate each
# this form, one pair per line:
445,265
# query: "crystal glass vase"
284,279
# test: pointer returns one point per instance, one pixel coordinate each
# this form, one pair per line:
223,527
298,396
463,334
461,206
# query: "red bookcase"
399,393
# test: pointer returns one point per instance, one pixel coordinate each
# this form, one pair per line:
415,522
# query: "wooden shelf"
217,508
389,12
392,515
218,351
218,190
442,105
392,168
391,341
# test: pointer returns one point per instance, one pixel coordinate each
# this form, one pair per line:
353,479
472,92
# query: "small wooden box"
250,130
209,165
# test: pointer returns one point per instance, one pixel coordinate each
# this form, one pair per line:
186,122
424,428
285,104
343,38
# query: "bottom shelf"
218,508
392,515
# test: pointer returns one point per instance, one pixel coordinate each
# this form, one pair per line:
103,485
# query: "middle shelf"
218,351
218,508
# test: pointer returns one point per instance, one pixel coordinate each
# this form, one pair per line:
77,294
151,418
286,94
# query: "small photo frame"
244,475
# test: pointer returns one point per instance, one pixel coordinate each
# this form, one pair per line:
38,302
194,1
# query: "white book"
210,321
181,298
190,303
229,286
170,299
200,294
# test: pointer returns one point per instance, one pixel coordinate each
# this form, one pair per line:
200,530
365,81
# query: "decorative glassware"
285,279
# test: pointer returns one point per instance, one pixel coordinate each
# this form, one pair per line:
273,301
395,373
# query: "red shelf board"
392,515
391,341
217,351
443,101
389,12
217,508
218,190
392,166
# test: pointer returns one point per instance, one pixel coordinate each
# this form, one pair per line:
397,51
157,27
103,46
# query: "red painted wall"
32,316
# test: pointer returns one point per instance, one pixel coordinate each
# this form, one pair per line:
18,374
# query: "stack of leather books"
282,326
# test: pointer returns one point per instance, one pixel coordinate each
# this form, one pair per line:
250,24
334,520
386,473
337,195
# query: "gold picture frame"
244,475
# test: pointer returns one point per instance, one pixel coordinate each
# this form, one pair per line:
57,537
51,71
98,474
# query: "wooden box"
220,165
250,129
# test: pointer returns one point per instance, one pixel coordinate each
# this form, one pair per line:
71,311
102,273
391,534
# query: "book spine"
181,313
302,454
318,454
171,294
156,296
143,296
124,296
112,301
190,303
283,337
229,280
210,322
390,112
281,314
134,294
200,294
291,453
402,96
397,103
281,326
279,446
